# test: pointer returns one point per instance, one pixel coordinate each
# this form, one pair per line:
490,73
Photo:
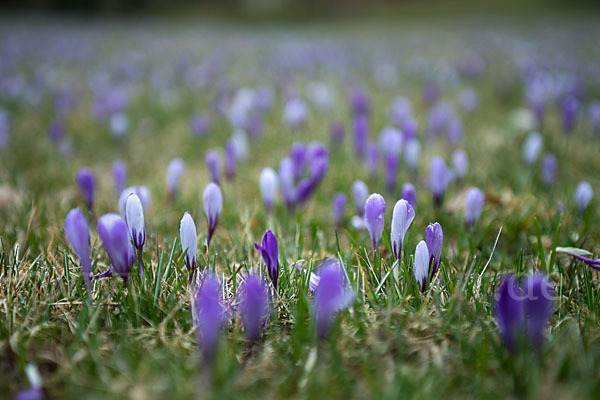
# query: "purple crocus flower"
434,237
391,170
438,180
532,147
524,310
141,191
583,196
295,112
409,128
213,163
402,218
336,133
412,151
539,307
134,213
509,311
270,255
460,162
76,231
390,141
332,295
454,130
338,206
361,134
409,194
319,165
298,154
473,205
87,186
582,255
421,265
400,110
372,159
286,180
230,159
35,391
374,213
268,187
549,164
569,108
213,204
360,103
360,192
114,235
56,131
313,280
254,307
175,170
209,315
119,173
189,241
593,116
199,125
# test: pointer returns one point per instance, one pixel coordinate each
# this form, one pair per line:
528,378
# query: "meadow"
511,108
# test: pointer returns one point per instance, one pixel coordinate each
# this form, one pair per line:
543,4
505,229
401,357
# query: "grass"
138,342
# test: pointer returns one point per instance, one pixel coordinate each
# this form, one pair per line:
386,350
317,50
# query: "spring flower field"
357,211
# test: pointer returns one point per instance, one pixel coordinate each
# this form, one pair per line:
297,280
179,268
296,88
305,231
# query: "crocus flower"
230,159
402,217
409,194
286,180
409,128
412,152
360,192
332,295
583,196
239,141
336,133
338,206
254,307
175,170
119,124
361,134
549,168
319,165
532,147
199,125
213,204
298,154
85,181
213,163
524,310
295,112
374,212
372,159
209,315
114,235
473,205
509,311
454,130
268,187
270,255
569,108
313,280
460,162
421,265
360,102
119,172
391,170
134,213
434,237
76,231
189,241
390,141
141,191
438,179
582,255
400,110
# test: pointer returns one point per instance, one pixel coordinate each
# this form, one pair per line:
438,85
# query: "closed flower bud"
374,213
549,169
141,191
87,186
209,315
119,172
583,196
189,241
338,206
332,295
532,147
254,307
460,162
270,255
434,237
213,163
360,193
76,231
268,187
175,170
421,265
402,217
213,204
114,235
409,194
473,205
439,178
